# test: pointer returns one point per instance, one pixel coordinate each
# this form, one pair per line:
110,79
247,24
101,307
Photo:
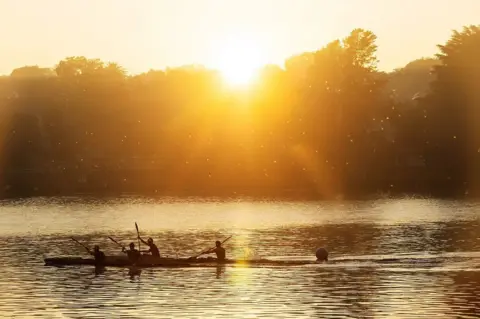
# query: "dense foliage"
326,124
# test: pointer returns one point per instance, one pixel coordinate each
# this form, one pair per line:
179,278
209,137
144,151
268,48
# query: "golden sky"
146,34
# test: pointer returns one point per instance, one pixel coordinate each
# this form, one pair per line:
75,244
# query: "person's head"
132,246
96,248
321,254
150,241
218,243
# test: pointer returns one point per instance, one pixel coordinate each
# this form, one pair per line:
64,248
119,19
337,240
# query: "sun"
239,59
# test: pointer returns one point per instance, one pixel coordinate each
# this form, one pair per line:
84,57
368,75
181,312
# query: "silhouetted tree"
327,123
453,136
413,80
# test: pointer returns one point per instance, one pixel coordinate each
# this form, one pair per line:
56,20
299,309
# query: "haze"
159,33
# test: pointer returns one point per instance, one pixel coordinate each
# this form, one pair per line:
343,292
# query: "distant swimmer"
153,248
98,255
132,253
219,250
321,254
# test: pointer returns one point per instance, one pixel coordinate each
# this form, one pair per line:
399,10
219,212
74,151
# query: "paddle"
88,249
138,235
203,252
116,242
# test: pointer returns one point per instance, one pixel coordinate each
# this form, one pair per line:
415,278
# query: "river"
409,258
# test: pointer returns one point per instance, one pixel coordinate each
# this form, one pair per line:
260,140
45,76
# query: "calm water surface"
401,259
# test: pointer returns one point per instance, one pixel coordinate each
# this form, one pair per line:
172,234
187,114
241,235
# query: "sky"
145,34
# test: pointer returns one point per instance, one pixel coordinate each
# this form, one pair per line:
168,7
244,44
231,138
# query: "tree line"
326,124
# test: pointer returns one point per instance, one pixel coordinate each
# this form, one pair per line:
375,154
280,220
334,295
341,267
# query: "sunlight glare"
239,60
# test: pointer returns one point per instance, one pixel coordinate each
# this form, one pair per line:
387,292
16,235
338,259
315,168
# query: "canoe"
149,261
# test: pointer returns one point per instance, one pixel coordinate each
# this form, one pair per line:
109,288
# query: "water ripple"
385,261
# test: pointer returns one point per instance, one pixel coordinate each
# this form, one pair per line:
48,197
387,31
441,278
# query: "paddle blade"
76,241
227,239
138,234
88,249
116,242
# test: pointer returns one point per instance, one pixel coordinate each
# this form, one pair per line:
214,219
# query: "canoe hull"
149,261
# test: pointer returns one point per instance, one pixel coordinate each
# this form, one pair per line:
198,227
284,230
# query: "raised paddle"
203,252
138,235
88,249
116,242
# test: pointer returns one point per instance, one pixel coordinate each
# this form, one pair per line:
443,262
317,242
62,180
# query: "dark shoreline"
214,197
159,183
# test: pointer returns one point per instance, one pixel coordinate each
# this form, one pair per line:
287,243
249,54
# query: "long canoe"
149,261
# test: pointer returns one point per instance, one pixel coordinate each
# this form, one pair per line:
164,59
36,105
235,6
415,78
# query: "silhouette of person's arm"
210,251
143,241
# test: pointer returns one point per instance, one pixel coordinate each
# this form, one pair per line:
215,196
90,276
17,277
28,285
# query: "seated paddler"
218,250
98,255
153,249
132,253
